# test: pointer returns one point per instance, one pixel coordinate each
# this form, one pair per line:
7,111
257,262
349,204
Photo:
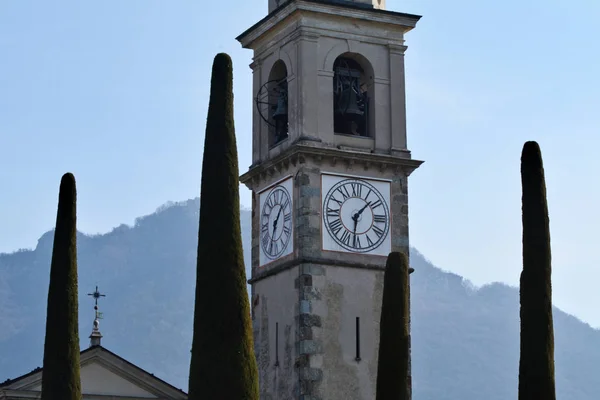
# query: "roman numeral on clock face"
343,190
339,202
274,247
285,203
380,218
369,241
357,242
356,189
265,240
336,226
331,212
377,203
345,238
378,231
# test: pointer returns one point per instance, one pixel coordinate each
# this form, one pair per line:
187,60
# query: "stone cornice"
307,34
300,151
397,49
403,22
258,276
255,64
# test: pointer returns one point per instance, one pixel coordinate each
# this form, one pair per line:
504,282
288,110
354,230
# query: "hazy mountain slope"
465,341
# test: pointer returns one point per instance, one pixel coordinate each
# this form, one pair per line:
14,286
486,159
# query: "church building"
104,375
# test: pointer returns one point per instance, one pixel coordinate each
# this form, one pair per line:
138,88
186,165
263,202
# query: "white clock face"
276,222
356,215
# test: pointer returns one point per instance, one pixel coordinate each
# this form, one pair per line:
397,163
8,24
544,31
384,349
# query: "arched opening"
272,103
352,95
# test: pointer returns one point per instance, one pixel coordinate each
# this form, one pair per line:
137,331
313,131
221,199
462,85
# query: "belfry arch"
272,103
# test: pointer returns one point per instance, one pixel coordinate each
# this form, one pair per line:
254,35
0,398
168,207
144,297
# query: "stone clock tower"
329,191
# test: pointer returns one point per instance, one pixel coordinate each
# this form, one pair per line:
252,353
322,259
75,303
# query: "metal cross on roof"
96,295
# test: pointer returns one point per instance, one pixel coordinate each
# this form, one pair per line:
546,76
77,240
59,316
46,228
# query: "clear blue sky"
116,92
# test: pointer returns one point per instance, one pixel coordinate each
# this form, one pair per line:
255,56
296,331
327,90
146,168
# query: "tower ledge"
309,262
354,159
401,22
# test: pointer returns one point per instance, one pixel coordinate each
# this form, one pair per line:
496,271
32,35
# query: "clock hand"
276,219
362,209
355,219
354,232
278,215
357,214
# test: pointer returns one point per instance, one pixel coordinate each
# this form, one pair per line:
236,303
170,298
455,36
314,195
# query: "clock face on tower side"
276,224
356,215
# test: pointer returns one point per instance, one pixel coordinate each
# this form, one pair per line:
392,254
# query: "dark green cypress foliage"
60,378
393,380
223,364
536,366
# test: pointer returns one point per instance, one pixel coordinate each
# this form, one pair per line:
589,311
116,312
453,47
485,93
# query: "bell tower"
329,175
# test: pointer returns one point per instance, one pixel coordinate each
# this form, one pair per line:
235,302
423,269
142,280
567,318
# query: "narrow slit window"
276,344
357,358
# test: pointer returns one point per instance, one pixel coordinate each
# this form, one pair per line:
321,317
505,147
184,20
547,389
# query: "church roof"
102,373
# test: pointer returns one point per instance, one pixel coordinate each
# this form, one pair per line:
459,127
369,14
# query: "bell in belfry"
281,111
347,104
280,115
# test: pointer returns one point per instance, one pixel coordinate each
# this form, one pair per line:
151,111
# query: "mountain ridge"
465,339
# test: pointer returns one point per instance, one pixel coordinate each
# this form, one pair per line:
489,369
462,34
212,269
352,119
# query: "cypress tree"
393,369
536,366
223,364
60,376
